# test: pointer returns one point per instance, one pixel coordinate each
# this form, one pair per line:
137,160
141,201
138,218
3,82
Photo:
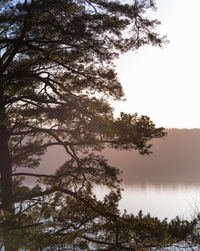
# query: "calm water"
165,183
163,202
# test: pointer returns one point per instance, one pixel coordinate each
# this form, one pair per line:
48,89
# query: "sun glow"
164,83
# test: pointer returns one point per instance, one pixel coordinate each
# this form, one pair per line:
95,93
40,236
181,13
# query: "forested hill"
175,160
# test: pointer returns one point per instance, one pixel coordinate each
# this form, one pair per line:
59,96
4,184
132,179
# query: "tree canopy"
56,79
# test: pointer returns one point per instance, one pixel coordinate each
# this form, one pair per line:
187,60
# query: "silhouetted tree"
56,77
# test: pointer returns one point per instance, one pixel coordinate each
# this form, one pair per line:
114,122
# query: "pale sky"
165,83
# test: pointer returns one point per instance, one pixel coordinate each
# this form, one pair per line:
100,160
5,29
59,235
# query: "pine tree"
56,76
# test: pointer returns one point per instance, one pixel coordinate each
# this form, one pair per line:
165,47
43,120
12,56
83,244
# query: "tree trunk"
5,173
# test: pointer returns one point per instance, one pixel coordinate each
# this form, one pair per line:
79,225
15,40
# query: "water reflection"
162,202
165,183
166,202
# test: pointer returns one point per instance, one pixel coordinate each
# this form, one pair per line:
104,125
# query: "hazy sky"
165,83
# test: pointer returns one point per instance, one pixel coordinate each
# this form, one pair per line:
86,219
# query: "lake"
161,202
165,183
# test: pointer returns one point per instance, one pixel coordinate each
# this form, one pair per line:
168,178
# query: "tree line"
56,79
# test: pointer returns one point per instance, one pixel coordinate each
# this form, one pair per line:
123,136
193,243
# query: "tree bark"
5,173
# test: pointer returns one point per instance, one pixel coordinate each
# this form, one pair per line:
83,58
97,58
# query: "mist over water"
165,183
175,161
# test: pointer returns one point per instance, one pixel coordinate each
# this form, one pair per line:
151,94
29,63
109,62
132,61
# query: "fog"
175,161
